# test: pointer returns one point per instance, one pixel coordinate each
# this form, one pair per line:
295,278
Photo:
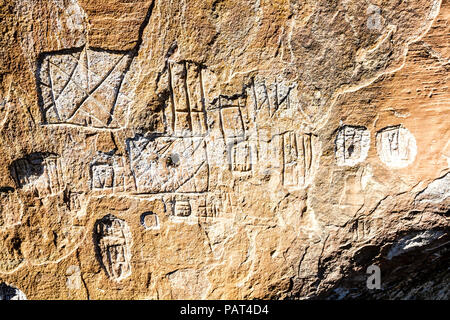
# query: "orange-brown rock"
224,149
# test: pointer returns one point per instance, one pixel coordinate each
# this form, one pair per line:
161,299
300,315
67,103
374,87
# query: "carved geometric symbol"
215,205
352,145
113,241
231,118
84,87
107,173
273,97
102,176
241,157
73,280
40,171
150,221
396,146
186,113
300,158
182,208
166,164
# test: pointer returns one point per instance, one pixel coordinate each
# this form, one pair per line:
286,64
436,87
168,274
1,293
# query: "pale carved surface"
221,149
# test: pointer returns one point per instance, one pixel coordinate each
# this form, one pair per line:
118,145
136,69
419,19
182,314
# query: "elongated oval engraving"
113,242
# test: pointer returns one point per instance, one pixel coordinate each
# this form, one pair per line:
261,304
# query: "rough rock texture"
221,149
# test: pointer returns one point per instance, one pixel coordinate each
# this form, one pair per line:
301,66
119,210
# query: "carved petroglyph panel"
8,292
215,205
182,208
396,147
150,221
300,158
166,164
361,230
275,99
352,196
233,118
352,145
40,172
84,87
242,157
186,110
77,202
201,207
108,173
11,208
113,241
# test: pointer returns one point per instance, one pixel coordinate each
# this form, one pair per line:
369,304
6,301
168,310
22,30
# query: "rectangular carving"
186,113
38,171
300,159
214,205
107,173
241,157
84,87
352,145
182,208
272,97
167,164
231,118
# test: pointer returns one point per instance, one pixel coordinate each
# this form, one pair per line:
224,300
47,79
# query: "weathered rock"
224,149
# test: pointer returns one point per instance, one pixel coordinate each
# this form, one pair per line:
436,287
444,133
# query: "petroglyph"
300,158
273,97
73,274
352,196
84,87
150,221
186,110
241,157
361,230
396,147
40,172
182,208
77,202
352,145
437,191
113,241
107,173
167,164
215,205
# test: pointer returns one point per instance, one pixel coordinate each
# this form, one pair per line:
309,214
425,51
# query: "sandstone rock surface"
222,149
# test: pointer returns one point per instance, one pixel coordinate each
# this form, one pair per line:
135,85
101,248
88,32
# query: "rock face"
221,149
